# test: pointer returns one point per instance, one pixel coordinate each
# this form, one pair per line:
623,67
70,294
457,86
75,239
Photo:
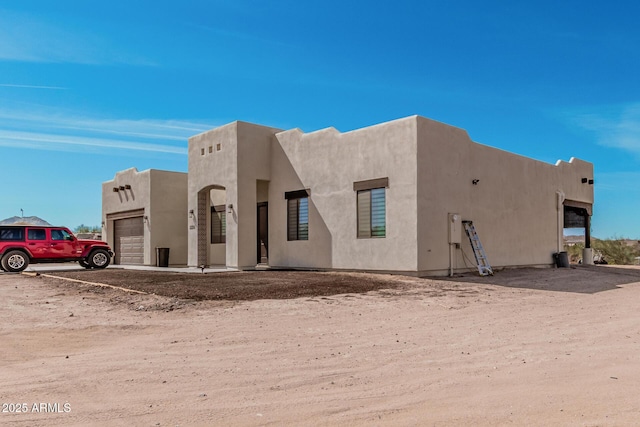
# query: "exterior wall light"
191,213
230,210
115,189
127,186
475,181
122,188
145,219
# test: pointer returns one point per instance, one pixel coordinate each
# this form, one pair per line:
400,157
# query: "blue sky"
91,88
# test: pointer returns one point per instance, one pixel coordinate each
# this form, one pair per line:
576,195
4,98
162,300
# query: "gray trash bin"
162,257
562,259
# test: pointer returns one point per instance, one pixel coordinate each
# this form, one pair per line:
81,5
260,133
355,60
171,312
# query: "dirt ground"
524,347
236,286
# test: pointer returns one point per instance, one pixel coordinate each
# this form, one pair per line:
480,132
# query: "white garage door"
129,241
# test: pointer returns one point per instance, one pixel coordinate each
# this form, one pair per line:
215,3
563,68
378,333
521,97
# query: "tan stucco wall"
163,197
168,215
513,206
328,163
243,158
216,168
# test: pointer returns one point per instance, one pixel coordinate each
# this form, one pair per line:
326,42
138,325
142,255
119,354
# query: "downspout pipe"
560,206
451,259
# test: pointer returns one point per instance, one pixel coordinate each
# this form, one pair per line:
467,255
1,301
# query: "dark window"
11,233
371,213
298,218
60,235
36,234
575,217
218,224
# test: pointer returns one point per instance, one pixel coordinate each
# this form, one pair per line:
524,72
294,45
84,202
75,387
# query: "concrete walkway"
73,266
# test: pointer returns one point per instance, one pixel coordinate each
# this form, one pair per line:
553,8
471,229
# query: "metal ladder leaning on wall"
478,251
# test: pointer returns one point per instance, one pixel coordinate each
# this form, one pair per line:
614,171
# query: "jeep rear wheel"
15,261
99,258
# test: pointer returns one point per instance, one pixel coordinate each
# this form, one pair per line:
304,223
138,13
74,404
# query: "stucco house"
388,198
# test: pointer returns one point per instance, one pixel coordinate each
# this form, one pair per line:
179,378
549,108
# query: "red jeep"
24,244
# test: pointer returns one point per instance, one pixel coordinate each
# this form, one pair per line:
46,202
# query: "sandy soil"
236,286
525,347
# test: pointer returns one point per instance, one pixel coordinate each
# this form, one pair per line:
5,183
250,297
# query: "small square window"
202,151
210,149
218,147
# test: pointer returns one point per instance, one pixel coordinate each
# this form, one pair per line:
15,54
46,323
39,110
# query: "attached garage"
143,211
128,239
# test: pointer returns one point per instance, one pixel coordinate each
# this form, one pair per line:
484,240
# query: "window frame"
41,234
218,234
297,211
369,192
12,234
66,236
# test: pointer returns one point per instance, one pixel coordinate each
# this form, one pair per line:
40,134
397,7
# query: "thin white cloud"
259,40
26,38
53,142
620,182
56,132
614,126
32,86
174,130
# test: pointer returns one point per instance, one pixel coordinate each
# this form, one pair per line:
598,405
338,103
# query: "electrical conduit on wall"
560,207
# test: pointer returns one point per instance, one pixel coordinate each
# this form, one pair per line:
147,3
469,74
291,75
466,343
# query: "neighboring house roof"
27,220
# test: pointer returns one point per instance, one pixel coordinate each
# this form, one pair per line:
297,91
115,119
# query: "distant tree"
87,229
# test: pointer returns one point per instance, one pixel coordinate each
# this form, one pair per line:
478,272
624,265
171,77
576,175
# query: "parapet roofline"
336,132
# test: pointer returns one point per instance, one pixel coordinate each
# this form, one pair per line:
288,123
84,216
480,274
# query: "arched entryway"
212,226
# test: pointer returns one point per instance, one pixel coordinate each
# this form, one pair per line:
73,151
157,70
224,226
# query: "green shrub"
617,251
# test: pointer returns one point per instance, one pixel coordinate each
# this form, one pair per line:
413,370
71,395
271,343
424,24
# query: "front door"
263,233
62,244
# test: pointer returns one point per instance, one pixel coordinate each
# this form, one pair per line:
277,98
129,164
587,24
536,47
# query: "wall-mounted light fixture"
230,210
127,186
103,223
590,182
584,180
475,181
115,189
122,188
145,219
191,213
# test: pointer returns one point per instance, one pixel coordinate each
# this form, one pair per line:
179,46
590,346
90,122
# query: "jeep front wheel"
99,258
84,263
15,261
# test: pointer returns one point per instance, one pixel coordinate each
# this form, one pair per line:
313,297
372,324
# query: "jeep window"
60,235
36,234
11,234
